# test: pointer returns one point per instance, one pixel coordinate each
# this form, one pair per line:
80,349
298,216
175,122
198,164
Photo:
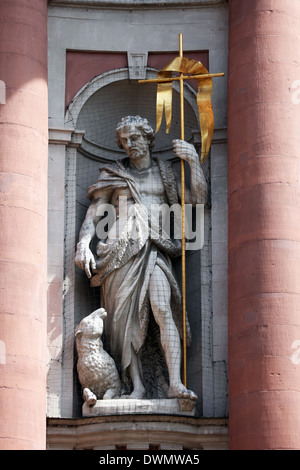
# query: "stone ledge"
183,407
135,3
107,432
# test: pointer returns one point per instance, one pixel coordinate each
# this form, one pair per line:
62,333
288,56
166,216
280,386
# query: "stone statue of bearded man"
132,265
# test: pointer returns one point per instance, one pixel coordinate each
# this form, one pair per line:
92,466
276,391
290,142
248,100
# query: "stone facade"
102,75
96,51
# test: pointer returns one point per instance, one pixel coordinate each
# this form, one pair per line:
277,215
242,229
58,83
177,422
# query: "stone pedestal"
174,406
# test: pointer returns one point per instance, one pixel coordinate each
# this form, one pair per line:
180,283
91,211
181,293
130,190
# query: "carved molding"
166,432
135,3
60,136
65,136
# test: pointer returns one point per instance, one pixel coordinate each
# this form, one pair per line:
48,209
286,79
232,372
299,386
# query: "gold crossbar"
185,77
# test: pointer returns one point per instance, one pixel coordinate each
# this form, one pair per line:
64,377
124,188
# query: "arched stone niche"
93,114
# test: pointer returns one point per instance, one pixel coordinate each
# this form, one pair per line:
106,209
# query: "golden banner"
205,87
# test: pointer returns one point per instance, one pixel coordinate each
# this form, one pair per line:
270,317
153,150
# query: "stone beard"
133,264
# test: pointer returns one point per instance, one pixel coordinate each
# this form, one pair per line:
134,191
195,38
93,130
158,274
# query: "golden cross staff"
164,81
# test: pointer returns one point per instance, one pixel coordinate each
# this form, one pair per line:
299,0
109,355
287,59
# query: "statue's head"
141,124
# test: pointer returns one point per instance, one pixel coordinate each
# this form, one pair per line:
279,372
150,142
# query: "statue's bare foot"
136,394
180,391
111,394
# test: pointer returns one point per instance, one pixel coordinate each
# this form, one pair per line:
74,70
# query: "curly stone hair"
142,124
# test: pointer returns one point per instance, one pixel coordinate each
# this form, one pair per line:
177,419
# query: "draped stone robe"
124,267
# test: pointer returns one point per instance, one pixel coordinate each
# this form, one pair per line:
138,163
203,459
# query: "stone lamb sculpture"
97,371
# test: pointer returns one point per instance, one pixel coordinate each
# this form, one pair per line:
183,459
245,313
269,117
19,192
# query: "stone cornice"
135,3
65,136
102,431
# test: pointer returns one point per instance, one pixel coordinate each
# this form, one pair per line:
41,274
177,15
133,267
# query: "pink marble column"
264,224
23,222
